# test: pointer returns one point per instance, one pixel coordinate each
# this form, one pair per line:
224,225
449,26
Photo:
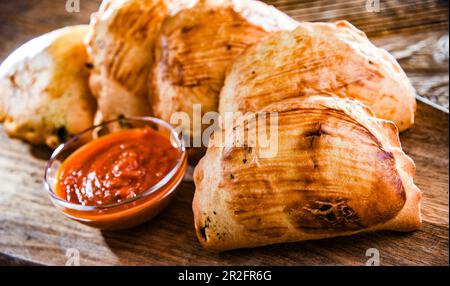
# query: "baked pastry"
44,92
334,58
120,45
337,170
197,45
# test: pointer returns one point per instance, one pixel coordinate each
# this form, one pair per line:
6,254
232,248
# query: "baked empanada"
197,45
338,170
120,45
333,58
44,93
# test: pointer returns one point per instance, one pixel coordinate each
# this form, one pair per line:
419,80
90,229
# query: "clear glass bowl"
128,213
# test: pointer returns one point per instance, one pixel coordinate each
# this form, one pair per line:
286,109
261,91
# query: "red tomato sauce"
116,167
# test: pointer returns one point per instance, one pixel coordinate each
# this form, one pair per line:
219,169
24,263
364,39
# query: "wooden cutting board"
32,231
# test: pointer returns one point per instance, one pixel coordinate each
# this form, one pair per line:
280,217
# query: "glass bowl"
130,212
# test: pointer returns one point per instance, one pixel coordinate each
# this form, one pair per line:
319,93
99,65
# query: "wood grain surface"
32,231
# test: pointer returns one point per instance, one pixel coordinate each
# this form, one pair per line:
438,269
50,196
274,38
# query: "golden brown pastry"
44,93
120,45
338,170
316,58
197,45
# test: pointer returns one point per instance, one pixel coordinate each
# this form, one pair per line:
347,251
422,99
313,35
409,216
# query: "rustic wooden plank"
418,52
22,20
425,59
6,260
33,230
427,144
433,87
394,16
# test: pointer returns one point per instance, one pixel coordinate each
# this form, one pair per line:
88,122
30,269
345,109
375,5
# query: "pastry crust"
120,44
338,170
45,96
197,45
334,58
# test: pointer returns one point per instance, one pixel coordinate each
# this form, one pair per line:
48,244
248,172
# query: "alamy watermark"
373,6
73,6
230,129
73,257
374,257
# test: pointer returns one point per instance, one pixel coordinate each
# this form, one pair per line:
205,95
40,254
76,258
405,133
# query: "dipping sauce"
116,167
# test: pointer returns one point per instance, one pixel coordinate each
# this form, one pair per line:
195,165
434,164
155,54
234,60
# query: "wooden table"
32,231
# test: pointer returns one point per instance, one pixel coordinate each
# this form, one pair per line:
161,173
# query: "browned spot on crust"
313,135
323,216
187,29
238,212
317,131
